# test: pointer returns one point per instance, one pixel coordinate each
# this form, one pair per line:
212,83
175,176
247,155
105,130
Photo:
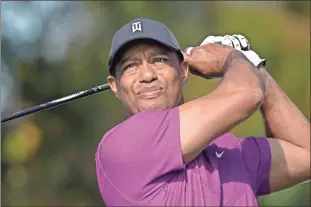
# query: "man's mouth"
150,92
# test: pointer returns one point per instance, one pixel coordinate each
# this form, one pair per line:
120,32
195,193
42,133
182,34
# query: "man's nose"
147,74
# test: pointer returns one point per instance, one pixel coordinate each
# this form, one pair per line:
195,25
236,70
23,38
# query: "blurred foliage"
48,157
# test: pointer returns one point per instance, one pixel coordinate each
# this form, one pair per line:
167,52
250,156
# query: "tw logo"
136,26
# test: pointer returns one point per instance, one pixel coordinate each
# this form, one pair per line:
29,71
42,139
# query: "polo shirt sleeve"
139,155
256,154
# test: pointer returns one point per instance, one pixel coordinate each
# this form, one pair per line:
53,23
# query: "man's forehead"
145,48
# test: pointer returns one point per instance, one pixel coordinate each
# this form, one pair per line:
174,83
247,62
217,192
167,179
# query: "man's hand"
238,42
209,60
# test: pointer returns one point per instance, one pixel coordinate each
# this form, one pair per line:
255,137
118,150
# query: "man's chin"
153,106
146,107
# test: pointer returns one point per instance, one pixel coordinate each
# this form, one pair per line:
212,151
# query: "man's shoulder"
146,121
141,127
128,122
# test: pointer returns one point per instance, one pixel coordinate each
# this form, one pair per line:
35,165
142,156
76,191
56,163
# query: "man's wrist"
233,58
266,76
269,99
238,64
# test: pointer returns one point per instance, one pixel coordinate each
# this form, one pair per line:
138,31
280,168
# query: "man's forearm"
239,73
283,119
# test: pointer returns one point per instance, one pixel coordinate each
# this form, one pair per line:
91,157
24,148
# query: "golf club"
57,102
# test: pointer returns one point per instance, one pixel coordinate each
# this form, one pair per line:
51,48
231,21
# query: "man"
171,153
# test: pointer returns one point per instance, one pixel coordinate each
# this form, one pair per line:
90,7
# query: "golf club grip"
57,102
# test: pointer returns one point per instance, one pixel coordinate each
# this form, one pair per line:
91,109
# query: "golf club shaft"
57,102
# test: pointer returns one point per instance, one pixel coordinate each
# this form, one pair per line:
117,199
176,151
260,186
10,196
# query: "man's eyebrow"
126,59
152,53
160,53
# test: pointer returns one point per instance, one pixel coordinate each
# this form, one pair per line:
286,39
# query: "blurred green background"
52,49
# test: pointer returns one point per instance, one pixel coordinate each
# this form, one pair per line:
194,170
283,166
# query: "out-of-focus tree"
299,7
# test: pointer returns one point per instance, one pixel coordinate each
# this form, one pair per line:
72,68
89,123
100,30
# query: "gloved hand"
238,42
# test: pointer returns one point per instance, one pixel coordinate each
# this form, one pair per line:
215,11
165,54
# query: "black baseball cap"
142,29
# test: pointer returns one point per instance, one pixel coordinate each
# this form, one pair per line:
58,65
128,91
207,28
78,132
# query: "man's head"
146,66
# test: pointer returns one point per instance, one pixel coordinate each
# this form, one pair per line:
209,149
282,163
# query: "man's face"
148,76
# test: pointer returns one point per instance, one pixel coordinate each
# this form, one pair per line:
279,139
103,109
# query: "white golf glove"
238,42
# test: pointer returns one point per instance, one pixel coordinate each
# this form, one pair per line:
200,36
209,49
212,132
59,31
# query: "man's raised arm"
291,130
238,96
286,125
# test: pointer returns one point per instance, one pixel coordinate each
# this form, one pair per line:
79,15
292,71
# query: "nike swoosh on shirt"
219,155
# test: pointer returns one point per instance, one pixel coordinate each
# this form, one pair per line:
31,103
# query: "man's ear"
112,81
185,71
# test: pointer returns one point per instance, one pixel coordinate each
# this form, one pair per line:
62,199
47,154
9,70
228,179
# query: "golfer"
174,153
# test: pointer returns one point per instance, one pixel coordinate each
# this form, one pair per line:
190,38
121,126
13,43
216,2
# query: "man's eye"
160,59
129,66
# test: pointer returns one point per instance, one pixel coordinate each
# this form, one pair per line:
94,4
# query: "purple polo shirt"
139,163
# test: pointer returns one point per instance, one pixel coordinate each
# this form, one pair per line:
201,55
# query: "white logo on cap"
136,26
